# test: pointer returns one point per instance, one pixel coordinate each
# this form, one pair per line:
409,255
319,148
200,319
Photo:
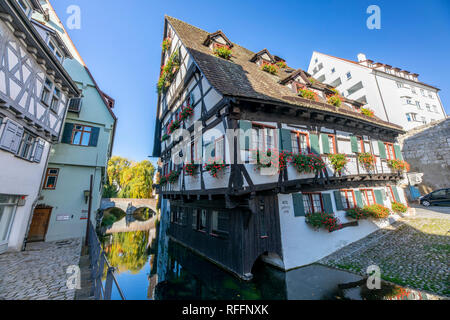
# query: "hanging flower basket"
191,169
186,112
172,177
368,160
173,125
399,165
368,112
308,94
323,220
339,161
270,68
335,100
167,42
223,52
307,163
214,167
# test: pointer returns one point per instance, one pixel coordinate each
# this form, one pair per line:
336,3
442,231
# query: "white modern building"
395,95
34,93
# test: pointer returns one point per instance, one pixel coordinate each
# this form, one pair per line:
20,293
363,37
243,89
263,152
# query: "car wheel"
426,203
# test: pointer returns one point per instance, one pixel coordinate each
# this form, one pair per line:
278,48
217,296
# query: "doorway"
39,224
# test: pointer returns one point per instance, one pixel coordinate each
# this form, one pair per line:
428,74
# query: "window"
263,137
418,105
390,194
430,95
349,75
54,105
300,143
413,90
202,221
390,153
428,107
50,178
8,204
422,92
368,197
360,144
320,66
81,135
317,60
219,223
408,101
423,120
195,219
56,51
26,146
332,143
348,199
219,149
313,202
435,108
399,85
333,70
25,6
408,117
194,153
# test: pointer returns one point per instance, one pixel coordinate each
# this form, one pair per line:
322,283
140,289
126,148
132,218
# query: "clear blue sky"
120,42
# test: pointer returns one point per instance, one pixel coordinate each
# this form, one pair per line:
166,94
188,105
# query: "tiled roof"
239,77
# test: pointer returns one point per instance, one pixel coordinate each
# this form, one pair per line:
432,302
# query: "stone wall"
427,150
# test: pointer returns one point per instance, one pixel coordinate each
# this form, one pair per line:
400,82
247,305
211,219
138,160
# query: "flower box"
338,161
223,52
307,94
323,220
367,160
270,68
368,112
335,100
307,163
214,167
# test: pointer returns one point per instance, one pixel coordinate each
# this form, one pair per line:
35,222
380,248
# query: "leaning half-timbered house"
221,110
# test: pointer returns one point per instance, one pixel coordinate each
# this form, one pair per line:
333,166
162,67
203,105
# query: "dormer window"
217,40
26,7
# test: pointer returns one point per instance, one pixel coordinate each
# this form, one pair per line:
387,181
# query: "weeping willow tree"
128,179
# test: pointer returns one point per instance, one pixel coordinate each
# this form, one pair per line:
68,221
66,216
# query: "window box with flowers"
165,137
307,163
167,42
377,211
172,177
338,161
399,165
281,64
186,112
163,180
214,167
398,207
367,112
168,72
335,100
173,125
312,80
357,213
269,159
191,169
367,160
307,94
323,220
270,68
223,52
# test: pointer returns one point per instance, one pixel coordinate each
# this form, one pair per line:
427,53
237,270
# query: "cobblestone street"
39,273
414,252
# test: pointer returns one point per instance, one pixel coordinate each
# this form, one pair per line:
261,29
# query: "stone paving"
414,252
39,273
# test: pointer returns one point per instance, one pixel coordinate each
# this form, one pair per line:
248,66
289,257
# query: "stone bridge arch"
129,206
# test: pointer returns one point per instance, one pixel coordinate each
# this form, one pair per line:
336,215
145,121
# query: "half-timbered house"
221,103
34,92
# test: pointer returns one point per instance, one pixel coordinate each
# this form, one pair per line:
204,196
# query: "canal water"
152,267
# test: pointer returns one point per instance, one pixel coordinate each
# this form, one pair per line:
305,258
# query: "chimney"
361,57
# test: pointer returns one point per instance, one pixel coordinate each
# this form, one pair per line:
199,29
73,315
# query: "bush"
357,213
399,207
377,211
325,220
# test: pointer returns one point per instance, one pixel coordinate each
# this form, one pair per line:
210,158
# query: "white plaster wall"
20,177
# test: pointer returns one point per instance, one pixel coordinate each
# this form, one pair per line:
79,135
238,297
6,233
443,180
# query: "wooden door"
39,224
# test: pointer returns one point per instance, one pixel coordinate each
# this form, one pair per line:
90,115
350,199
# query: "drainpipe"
89,210
381,96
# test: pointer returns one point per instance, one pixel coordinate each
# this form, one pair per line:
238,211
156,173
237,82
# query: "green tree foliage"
128,179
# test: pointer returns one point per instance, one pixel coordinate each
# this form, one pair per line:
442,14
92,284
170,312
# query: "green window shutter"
379,197
327,205
94,137
338,200
67,133
359,200
299,209
325,143
382,149
395,191
244,139
398,152
286,143
314,139
354,143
